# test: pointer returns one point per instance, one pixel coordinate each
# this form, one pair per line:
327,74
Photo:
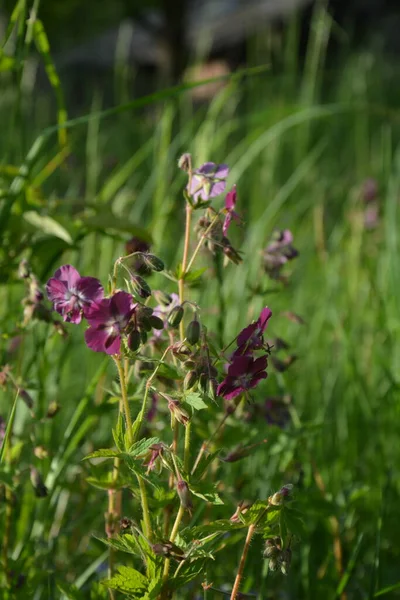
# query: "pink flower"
244,373
108,322
71,294
230,203
251,337
208,181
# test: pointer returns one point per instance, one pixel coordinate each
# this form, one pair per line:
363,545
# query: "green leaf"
118,433
6,479
107,482
195,400
128,580
125,543
103,453
47,225
206,492
194,275
261,513
142,446
204,463
294,521
70,591
220,526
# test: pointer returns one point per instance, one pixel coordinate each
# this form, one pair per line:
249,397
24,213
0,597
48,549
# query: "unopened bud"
190,380
175,316
27,398
179,413
241,509
181,351
125,524
140,286
272,548
230,252
185,162
203,383
285,560
153,262
184,494
38,484
284,494
134,340
156,322
193,332
52,410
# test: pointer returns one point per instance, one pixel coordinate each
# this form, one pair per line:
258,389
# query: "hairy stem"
124,398
236,586
201,242
181,282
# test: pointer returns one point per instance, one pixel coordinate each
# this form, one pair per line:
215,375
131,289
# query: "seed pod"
156,322
203,383
179,413
153,262
38,484
134,340
193,332
175,316
184,494
167,548
140,286
190,380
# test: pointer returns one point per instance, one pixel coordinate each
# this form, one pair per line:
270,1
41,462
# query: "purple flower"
72,294
230,203
163,310
244,373
279,252
208,181
108,321
251,337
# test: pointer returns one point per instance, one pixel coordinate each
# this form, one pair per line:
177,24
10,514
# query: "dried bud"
40,452
27,398
24,270
230,252
140,286
179,413
190,380
153,262
156,322
185,162
272,548
125,524
175,316
38,484
169,549
241,509
134,340
193,332
181,351
284,495
52,410
184,494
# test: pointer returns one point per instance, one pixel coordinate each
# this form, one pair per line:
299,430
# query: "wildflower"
72,294
207,182
284,494
251,337
108,321
230,203
155,451
244,373
279,252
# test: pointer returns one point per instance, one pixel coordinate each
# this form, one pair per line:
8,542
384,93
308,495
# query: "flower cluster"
245,370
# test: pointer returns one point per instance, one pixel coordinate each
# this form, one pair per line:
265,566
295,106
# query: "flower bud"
190,380
153,262
40,452
156,322
185,162
284,494
272,548
193,332
203,383
125,524
162,298
285,560
179,413
184,494
38,484
27,398
134,340
140,286
241,509
24,270
175,316
181,351
52,409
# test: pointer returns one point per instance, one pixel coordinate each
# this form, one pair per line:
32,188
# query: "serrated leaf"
47,225
142,446
103,453
205,492
293,520
70,591
260,512
125,543
220,526
118,433
128,581
204,463
108,482
195,400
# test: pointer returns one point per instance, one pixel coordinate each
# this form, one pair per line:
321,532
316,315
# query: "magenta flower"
244,373
279,252
251,337
71,294
208,181
108,322
230,203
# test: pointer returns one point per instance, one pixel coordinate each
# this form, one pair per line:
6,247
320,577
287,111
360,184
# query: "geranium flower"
230,203
71,294
208,181
108,322
279,252
244,373
251,337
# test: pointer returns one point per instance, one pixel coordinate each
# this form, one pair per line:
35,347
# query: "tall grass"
300,143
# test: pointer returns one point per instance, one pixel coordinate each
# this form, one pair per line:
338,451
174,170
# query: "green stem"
200,243
186,452
145,508
124,397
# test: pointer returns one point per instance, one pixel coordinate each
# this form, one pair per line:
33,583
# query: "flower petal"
96,339
265,315
122,304
90,289
56,290
98,314
230,199
69,274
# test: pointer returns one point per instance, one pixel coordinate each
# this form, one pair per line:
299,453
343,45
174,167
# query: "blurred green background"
313,122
